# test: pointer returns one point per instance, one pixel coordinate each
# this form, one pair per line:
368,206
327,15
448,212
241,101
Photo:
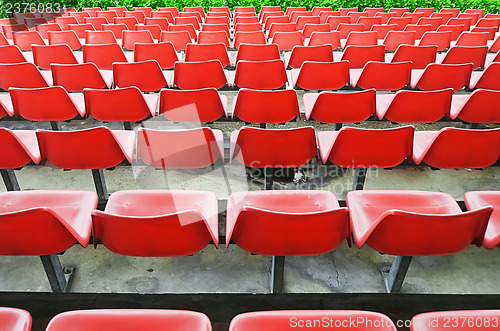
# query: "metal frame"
394,278
277,272
268,178
59,278
100,184
359,179
10,179
55,125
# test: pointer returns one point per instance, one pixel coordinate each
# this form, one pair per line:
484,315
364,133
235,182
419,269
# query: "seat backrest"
24,75
386,17
116,105
88,76
18,319
489,77
12,54
202,105
45,55
97,22
130,22
345,28
63,21
418,29
467,38
281,27
259,148
64,37
272,19
441,39
103,55
187,20
136,36
179,39
206,52
394,39
322,53
439,76
383,29
316,75
420,56
358,56
81,28
184,27
385,76
255,52
161,22
286,41
482,106
369,21
249,37
163,14
321,38
255,106
466,22
164,53
146,75
309,28
362,38
19,147
117,29
43,29
466,54
213,37
24,39
138,15
107,14
334,21
99,37
95,148
197,75
260,75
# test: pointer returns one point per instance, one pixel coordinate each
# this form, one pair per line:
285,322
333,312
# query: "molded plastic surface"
480,199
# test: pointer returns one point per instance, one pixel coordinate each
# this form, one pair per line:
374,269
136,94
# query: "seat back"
259,148
466,54
16,319
45,55
99,37
97,22
441,39
385,76
251,52
20,75
24,39
179,39
146,75
138,15
206,52
213,37
420,56
254,106
109,15
43,29
344,29
334,21
197,75
396,38
439,76
136,36
64,37
260,75
309,28
489,77
383,29
322,38
249,37
358,56
323,75
12,54
483,106
286,41
18,149
164,53
130,22
88,76
418,29
162,22
322,53
103,55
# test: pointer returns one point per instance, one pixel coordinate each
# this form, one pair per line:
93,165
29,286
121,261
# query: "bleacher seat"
14,319
360,38
43,29
97,22
286,41
146,75
64,37
179,39
45,55
164,53
213,37
198,75
441,39
12,54
314,75
383,29
466,54
88,75
103,55
24,39
24,75
130,22
260,75
419,56
109,15
394,39
358,56
482,106
418,29
318,38
467,38
382,76
99,37
138,15
299,54
207,52
249,37
130,37
480,199
256,52
440,76
487,79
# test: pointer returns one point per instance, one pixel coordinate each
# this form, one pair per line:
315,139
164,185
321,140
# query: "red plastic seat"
491,31
382,76
418,29
467,38
46,104
146,75
466,22
314,75
173,10
216,28
361,38
124,319
103,55
8,30
14,319
249,37
323,38
260,75
488,22
164,53
43,29
394,39
198,75
64,37
303,20
24,39
457,148
203,105
420,56
401,22
188,219
369,21
146,10
441,39
88,75
184,27
265,9
136,36
325,15
480,199
414,17
79,16
162,22
438,321
206,52
21,75
291,319
335,21
466,54
426,11
440,76
386,16
80,29
63,21
255,106
179,39
251,52
185,148
383,29
345,29
244,21
413,223
399,11
456,30
415,106
444,16
482,106
129,22
138,15
19,147
213,37
310,28
222,20
285,223
330,107
495,46
299,54
45,55
195,9
126,104
99,37
109,15
286,41
281,27
280,19
97,22
247,27
167,15
188,20
12,54
259,148
488,79
358,56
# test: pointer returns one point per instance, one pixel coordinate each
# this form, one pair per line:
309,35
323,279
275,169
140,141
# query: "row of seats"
262,75
277,223
13,319
128,104
102,148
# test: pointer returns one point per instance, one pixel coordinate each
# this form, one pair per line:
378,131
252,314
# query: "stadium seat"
260,75
188,219
63,21
88,75
103,55
345,29
162,22
198,75
310,28
249,37
8,30
322,38
466,54
335,21
257,148
281,27
488,22
256,106
130,22
382,76
369,21
456,30
64,37
265,9
316,10
222,20
24,75
14,319
466,22
99,37
286,41
303,20
213,37
285,223
189,28
325,15
290,10
173,10
358,56
12,54
491,31
426,11
394,39
288,320
61,218
439,321
154,29
197,9
346,107
468,38
164,53
146,10
81,28
189,20
97,22
399,11
130,37
480,199
314,75
255,52
207,52
109,15
487,79
454,11
457,148
45,55
91,10
216,28
138,15
299,54
482,106
179,149
43,29
203,105
153,320
179,39
276,20
360,38
247,27
386,16
24,39
414,17
418,29
401,22
420,56
79,16
412,223
441,39
383,29
126,104
146,75
414,106
438,76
